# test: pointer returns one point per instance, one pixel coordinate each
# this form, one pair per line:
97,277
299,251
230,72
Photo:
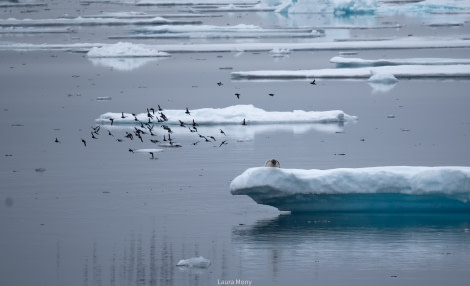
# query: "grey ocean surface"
101,215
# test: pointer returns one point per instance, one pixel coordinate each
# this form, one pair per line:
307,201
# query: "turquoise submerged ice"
375,189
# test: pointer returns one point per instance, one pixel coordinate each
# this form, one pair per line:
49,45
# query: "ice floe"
383,78
402,43
232,115
213,31
358,62
194,262
389,188
400,71
85,21
124,63
123,49
360,7
34,30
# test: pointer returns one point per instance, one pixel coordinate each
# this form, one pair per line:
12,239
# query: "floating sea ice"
123,49
235,114
279,52
383,78
194,262
388,188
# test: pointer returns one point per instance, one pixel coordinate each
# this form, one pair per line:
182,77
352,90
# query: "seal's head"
273,163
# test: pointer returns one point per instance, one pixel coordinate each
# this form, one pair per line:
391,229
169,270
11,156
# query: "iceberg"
231,115
370,189
123,49
194,262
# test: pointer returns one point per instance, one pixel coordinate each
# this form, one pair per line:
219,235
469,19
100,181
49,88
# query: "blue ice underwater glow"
373,189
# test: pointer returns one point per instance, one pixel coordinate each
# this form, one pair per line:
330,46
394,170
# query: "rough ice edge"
232,115
402,71
194,262
124,49
276,183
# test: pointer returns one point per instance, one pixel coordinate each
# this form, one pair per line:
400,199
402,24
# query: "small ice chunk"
195,262
384,78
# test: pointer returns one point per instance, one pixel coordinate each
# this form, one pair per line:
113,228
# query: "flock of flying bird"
148,129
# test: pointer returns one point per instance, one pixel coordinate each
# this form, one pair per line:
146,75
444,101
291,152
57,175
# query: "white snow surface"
232,115
195,262
278,182
124,49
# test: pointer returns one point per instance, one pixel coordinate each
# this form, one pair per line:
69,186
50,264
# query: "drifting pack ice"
373,189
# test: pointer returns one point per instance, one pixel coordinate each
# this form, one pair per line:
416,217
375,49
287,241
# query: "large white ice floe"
400,71
235,114
124,49
375,189
194,262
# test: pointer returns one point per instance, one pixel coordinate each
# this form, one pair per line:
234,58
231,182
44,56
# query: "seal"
273,163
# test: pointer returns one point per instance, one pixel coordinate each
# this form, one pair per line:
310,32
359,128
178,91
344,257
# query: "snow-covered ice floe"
358,62
194,262
82,21
373,189
400,71
235,114
124,49
401,43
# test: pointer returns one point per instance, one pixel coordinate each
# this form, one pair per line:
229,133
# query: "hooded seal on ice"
272,163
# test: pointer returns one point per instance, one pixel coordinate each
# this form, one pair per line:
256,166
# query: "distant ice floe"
232,115
124,63
34,30
377,189
214,31
85,21
123,49
401,71
194,262
403,43
336,7
361,7
358,62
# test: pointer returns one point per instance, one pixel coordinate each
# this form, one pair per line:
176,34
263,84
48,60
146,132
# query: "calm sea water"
100,215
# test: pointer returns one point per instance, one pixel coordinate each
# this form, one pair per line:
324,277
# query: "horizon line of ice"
400,71
228,116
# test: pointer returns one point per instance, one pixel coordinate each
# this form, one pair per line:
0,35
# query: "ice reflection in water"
355,243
